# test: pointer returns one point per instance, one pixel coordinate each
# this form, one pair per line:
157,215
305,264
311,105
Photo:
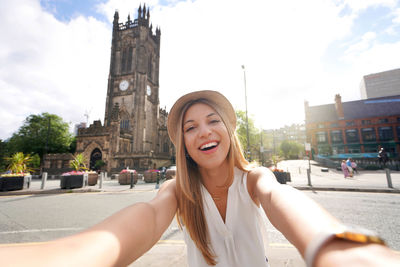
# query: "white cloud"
50,66
62,67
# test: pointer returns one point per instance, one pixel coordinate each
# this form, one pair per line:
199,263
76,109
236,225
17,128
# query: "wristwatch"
349,233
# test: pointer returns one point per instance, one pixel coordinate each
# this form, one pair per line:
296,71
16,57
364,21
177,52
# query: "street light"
247,119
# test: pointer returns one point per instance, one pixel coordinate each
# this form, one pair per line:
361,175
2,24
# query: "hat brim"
213,96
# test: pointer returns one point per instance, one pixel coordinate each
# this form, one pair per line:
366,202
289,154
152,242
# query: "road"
39,218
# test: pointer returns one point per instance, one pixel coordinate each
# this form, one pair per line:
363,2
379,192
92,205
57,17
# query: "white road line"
40,230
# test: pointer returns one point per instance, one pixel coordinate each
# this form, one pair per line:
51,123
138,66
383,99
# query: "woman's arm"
300,219
117,241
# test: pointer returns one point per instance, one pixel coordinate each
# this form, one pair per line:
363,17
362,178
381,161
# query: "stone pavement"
168,252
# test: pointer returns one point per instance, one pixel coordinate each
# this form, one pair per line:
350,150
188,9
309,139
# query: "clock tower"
134,133
133,81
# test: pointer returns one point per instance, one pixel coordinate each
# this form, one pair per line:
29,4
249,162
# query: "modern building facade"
357,127
380,84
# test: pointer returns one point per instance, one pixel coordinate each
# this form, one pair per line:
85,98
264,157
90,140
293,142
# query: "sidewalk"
169,252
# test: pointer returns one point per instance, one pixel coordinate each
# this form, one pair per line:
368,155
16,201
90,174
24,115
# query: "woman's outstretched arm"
117,241
300,219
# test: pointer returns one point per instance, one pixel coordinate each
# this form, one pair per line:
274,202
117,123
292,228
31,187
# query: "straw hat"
212,96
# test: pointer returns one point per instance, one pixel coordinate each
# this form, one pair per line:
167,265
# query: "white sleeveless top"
237,242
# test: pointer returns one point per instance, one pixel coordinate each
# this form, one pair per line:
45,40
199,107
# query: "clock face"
123,85
148,91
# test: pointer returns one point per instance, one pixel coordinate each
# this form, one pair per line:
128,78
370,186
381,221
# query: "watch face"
148,91
123,85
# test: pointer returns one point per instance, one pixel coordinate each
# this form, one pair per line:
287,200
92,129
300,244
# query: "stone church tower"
134,134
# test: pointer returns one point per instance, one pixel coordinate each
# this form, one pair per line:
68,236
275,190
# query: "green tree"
290,149
39,132
254,135
3,154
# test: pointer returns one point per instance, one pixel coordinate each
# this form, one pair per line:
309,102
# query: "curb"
94,190
347,189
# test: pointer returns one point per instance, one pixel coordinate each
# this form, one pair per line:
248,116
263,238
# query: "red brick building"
355,128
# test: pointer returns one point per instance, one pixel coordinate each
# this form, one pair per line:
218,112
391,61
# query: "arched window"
166,148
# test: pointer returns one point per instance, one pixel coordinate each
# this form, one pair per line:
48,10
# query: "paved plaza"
171,251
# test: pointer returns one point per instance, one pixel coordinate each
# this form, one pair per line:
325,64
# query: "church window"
124,124
123,60
150,67
129,66
165,148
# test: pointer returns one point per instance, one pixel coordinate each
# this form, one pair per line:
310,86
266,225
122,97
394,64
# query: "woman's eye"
214,121
188,129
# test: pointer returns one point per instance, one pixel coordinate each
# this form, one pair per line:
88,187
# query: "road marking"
40,230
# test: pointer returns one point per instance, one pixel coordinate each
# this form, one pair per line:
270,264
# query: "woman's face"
205,135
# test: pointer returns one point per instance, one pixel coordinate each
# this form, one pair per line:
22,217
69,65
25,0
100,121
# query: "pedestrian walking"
382,157
345,169
354,166
217,197
348,164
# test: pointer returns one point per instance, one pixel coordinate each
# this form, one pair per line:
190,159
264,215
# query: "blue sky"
54,55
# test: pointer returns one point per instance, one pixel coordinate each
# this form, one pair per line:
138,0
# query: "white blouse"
238,241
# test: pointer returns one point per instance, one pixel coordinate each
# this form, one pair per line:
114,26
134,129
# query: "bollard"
28,180
105,176
158,181
101,180
309,177
132,183
85,179
388,178
44,179
299,170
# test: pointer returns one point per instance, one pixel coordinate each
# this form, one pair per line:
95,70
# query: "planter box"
283,177
71,181
92,178
11,183
150,177
125,178
170,174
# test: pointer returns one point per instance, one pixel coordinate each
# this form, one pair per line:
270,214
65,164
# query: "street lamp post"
247,119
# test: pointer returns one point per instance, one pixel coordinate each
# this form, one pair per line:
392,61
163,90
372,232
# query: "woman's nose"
205,131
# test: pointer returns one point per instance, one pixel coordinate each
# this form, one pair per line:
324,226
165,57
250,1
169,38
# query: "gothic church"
134,133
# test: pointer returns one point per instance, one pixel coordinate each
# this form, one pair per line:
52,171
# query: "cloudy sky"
54,54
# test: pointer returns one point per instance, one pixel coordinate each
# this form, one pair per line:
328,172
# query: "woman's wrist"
339,252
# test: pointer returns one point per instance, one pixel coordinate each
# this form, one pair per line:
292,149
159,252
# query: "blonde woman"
217,197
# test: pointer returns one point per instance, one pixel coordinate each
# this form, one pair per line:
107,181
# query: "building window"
336,136
321,137
371,149
321,126
352,136
354,149
123,60
165,148
334,125
129,63
398,132
385,133
124,124
368,134
383,120
398,119
366,122
349,123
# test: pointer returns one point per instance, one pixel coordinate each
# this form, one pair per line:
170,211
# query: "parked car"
170,173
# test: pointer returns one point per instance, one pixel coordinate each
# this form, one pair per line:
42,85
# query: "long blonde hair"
188,182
